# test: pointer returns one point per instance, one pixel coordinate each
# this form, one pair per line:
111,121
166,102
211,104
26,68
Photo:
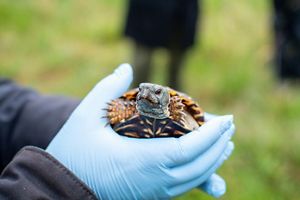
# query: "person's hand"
118,167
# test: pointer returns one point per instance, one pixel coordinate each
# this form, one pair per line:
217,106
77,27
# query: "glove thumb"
111,87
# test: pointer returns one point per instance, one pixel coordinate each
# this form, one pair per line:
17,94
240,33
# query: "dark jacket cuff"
35,174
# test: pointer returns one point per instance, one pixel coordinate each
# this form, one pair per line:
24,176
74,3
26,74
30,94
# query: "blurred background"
65,47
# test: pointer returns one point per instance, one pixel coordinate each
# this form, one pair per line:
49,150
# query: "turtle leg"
119,110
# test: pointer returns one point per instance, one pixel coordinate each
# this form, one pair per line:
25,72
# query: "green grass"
65,47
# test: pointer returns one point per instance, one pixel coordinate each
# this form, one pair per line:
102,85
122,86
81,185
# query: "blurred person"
287,39
67,152
169,24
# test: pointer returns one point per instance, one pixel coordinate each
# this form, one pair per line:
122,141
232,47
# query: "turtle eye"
158,91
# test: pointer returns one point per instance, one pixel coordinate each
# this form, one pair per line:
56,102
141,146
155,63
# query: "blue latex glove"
118,167
215,185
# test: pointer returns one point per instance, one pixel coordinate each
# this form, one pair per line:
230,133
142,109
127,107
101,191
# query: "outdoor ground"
65,47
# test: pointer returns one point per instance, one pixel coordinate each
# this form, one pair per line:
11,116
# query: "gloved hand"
118,167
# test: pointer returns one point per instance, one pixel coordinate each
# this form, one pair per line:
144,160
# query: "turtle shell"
185,115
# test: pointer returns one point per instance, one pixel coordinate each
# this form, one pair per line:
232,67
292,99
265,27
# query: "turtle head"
153,101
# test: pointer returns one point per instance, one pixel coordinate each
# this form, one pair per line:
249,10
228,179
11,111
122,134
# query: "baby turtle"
154,111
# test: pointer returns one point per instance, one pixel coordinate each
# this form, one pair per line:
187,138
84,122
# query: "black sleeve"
35,174
28,118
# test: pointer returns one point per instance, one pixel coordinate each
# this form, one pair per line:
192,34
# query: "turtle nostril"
141,96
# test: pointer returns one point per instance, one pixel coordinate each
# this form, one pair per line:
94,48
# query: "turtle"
152,110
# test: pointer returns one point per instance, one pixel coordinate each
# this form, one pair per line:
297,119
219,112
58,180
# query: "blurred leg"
177,58
142,63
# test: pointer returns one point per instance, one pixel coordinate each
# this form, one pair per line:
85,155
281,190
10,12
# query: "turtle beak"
146,97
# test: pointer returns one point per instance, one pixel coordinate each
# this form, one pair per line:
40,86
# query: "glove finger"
198,141
209,116
107,89
201,164
170,151
184,187
214,186
111,87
